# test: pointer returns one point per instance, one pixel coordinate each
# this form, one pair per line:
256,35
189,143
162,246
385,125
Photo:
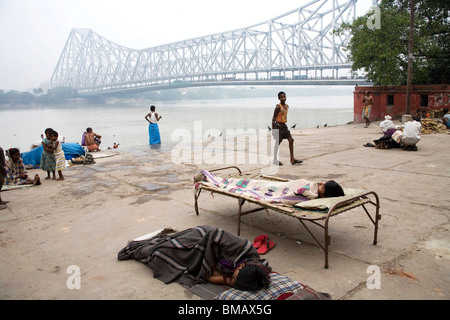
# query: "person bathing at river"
92,140
153,130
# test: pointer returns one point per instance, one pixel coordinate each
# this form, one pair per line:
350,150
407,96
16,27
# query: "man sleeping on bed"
290,192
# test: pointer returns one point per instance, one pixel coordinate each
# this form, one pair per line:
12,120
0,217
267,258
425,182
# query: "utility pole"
410,60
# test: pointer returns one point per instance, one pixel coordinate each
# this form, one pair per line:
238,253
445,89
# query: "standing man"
280,128
153,130
367,107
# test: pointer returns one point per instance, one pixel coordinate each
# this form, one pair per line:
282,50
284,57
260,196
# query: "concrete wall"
392,100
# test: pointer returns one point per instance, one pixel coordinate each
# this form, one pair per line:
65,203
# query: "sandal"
268,245
260,240
297,161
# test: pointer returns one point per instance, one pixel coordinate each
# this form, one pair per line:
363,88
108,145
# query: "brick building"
392,100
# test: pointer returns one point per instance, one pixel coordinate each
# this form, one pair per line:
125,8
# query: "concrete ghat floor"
85,220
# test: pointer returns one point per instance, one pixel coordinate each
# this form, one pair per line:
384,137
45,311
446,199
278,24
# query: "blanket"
288,193
188,256
281,288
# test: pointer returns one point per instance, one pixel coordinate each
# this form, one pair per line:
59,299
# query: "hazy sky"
33,32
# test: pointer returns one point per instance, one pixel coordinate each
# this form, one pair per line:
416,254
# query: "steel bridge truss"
286,47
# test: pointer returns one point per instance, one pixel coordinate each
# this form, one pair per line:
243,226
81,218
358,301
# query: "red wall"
438,98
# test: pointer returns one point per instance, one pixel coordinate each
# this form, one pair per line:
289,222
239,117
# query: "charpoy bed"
317,211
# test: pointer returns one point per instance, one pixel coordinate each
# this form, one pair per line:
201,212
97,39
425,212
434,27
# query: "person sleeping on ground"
289,192
245,276
201,254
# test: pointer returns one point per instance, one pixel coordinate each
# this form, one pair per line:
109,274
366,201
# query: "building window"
424,101
390,99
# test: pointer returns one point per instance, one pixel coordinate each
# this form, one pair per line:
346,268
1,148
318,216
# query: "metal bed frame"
315,217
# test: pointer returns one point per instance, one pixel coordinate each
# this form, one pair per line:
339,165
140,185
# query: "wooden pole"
410,59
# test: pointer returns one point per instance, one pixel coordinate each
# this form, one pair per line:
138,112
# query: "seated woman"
201,254
289,192
15,170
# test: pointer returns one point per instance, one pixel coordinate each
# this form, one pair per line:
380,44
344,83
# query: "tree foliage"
382,52
53,96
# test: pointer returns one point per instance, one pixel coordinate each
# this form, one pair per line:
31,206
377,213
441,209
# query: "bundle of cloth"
288,193
188,256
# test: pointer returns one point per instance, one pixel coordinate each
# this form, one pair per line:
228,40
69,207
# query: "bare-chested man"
93,140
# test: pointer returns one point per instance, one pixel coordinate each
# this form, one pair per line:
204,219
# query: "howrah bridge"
295,48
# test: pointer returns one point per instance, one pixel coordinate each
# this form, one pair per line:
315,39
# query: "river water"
124,123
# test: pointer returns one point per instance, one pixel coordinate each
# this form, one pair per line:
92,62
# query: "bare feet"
37,180
60,179
3,204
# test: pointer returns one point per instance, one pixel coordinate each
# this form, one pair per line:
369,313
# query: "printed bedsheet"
262,190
